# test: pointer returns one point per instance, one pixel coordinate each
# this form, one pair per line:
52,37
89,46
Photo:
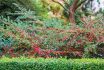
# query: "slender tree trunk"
71,16
72,10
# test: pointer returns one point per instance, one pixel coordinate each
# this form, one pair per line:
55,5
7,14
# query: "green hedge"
50,64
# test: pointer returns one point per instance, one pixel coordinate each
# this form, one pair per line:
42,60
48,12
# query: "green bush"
50,64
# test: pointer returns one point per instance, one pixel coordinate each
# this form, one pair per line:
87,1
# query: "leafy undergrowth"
30,35
50,39
23,63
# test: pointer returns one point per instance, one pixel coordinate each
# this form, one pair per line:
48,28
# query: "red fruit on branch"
79,41
11,50
90,36
36,49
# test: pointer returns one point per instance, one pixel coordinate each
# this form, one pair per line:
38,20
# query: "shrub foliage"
50,64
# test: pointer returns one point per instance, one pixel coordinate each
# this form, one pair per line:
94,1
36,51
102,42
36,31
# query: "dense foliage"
51,64
40,28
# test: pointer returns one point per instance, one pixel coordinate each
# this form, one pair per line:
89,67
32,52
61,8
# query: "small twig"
66,10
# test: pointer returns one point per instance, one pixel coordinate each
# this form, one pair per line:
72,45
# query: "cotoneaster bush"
53,35
46,37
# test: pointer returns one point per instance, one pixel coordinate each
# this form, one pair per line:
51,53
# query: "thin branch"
80,4
66,2
61,6
74,5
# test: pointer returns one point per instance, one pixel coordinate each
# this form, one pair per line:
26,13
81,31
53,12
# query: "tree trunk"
72,10
71,16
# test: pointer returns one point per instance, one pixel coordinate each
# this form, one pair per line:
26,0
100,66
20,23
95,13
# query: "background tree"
72,6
